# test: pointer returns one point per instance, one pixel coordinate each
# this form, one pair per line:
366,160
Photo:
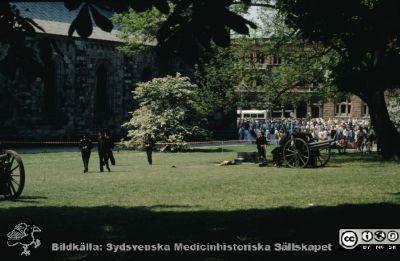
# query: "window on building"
101,105
343,108
365,109
50,91
276,59
260,57
147,75
251,57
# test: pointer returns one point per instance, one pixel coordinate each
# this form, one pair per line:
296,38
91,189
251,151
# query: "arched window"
101,102
147,75
50,89
6,106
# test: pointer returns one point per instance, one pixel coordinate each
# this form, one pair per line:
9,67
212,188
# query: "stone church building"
87,88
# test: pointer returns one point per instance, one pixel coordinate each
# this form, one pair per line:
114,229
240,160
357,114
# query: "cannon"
12,174
301,152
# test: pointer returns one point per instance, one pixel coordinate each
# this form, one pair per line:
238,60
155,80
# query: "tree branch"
256,4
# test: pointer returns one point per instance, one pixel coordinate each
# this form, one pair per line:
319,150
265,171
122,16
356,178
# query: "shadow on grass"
141,225
211,150
25,199
354,157
397,194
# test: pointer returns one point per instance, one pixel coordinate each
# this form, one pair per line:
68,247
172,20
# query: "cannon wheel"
296,153
322,156
14,175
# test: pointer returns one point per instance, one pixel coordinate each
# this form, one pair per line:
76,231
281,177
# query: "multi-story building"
349,107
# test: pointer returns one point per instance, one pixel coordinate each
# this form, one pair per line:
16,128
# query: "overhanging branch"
257,4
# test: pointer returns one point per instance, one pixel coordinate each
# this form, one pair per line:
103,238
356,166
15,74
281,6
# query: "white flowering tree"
394,108
169,110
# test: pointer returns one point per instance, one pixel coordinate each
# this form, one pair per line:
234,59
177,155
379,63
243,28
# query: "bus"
264,114
252,114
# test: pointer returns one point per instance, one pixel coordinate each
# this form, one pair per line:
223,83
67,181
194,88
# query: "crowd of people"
345,132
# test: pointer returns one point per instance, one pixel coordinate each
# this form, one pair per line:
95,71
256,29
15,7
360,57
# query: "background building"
88,85
349,107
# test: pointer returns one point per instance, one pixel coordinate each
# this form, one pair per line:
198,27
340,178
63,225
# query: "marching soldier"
85,145
148,145
261,143
110,146
103,149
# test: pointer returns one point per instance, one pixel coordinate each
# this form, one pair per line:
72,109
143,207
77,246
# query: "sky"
253,15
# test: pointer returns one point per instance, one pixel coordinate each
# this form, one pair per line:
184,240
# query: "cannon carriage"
300,152
12,174
297,153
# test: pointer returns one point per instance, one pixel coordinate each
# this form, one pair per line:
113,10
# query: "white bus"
252,114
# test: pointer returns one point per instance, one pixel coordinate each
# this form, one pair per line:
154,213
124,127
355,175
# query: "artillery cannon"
300,151
12,174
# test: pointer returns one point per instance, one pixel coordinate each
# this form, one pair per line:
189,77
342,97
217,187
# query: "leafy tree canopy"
232,78
364,33
138,30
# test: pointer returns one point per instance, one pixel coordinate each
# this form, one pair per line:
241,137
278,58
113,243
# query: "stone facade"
68,101
87,88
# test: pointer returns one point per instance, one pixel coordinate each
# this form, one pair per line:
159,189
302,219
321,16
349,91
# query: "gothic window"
147,75
6,106
101,104
50,89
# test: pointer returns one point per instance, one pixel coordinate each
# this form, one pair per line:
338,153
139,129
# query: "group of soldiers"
105,146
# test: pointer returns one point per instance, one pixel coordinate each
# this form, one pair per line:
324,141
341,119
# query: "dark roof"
55,18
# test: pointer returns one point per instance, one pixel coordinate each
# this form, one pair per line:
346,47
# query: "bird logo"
23,234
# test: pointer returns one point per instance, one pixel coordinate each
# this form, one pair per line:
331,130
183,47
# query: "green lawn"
199,201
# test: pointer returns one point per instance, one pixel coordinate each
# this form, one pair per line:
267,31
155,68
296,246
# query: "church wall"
75,81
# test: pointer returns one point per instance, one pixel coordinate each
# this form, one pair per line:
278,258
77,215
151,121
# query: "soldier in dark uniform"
110,146
85,145
261,142
148,144
103,149
277,152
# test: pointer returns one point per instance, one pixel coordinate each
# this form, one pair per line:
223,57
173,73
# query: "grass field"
199,201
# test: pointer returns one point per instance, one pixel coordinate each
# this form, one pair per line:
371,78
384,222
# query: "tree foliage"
364,33
230,78
169,109
17,53
394,108
138,30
